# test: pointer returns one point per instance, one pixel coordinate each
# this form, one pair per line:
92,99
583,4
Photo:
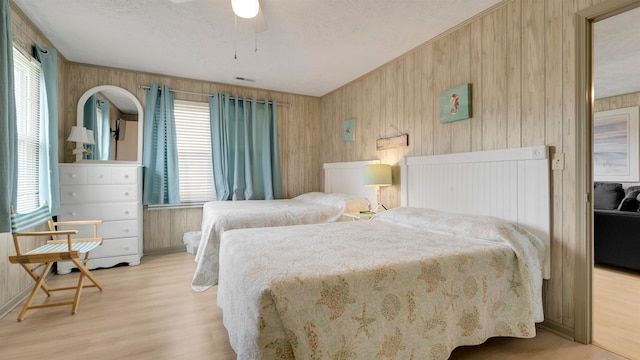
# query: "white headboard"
511,184
347,178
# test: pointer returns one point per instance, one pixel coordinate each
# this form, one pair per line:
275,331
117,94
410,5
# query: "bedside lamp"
377,175
80,135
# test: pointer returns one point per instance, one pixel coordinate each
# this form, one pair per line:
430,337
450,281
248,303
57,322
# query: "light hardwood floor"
616,311
150,312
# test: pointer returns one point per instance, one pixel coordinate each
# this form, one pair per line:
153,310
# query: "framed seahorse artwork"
348,130
455,104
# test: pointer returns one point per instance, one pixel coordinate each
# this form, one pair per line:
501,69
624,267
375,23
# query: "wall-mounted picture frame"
455,103
348,130
615,145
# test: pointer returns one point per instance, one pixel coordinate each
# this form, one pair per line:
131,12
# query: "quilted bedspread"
408,284
220,216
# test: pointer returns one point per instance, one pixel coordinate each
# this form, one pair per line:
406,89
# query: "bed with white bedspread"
410,283
413,282
221,216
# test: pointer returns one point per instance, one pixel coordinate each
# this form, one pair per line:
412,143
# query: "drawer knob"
126,230
73,194
126,212
73,213
73,176
126,193
126,176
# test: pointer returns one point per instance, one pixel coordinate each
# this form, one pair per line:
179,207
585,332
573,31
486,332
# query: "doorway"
616,96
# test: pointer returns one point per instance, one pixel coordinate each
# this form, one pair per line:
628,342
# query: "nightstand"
359,216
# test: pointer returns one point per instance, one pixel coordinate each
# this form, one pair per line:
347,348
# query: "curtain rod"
203,94
25,32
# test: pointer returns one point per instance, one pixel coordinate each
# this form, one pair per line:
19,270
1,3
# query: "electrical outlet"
557,162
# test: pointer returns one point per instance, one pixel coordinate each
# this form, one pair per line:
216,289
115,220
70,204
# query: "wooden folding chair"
60,247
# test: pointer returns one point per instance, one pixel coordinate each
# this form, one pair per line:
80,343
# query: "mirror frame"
80,120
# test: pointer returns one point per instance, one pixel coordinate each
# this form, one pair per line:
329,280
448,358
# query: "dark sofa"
617,225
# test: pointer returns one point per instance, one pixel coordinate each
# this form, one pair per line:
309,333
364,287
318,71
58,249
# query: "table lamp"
377,175
80,135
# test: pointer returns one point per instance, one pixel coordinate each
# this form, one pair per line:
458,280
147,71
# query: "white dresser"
110,192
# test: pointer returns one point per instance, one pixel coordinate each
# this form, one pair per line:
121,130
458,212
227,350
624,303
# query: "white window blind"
26,72
193,136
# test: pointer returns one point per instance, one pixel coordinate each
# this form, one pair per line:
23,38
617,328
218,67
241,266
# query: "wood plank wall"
518,56
617,102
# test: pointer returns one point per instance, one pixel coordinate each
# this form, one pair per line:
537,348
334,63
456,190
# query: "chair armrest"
48,233
79,222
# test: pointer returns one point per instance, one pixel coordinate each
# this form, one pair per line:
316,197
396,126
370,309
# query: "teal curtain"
90,122
104,133
9,132
100,125
160,152
49,177
244,148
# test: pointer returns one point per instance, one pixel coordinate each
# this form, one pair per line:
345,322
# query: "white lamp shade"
79,135
90,140
377,175
245,8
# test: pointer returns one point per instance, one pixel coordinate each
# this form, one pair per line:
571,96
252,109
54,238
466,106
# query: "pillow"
476,226
632,192
348,203
607,196
633,189
630,201
629,204
310,196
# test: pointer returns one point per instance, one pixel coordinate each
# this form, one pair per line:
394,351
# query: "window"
193,136
26,74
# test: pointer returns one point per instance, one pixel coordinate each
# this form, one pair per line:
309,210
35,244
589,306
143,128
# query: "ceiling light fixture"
245,8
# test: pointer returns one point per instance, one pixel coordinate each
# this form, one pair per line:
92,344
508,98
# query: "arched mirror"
114,117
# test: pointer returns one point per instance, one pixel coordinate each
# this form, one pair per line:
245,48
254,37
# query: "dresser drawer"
83,194
124,175
115,247
105,212
108,229
118,229
73,175
98,175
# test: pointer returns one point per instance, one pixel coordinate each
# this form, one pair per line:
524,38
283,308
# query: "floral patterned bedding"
408,284
220,216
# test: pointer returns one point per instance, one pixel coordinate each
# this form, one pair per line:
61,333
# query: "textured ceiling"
616,55
304,46
309,46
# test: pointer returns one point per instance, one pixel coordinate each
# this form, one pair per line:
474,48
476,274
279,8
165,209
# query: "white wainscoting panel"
511,184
